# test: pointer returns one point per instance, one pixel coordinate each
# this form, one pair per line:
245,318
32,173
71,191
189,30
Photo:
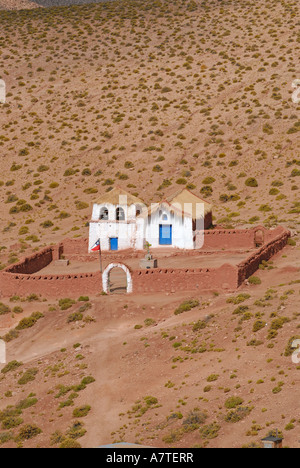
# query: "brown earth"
166,358
17,4
152,98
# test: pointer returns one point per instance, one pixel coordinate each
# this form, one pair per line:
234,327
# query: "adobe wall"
278,239
219,239
22,278
34,263
59,286
185,279
74,246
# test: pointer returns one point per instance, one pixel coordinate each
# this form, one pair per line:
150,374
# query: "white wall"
133,232
130,232
129,211
182,234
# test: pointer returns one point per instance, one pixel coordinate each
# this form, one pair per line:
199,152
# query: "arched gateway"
106,272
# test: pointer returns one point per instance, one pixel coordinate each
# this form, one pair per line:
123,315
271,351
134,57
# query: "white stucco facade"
134,230
122,221
129,231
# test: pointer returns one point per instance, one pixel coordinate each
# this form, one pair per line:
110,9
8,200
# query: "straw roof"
183,202
113,197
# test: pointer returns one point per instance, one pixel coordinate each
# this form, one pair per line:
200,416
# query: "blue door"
114,244
165,234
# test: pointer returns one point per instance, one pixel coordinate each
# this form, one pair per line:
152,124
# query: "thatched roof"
113,197
183,202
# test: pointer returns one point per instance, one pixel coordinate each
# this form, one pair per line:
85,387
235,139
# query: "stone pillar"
57,252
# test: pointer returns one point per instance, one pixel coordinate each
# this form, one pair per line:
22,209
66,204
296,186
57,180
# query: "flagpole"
100,257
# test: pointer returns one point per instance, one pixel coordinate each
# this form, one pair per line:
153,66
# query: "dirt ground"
130,352
164,261
151,97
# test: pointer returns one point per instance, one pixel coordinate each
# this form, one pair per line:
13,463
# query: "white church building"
122,221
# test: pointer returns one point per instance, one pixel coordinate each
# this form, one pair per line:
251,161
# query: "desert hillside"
152,97
17,4
148,370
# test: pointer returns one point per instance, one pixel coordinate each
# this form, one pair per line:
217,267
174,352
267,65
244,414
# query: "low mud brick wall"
279,238
59,286
185,279
33,263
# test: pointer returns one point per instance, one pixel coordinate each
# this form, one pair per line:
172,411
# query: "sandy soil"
152,100
17,4
197,261
130,363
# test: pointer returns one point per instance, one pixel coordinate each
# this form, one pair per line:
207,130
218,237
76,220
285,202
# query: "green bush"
29,322
6,437
238,414
11,366
199,325
4,309
70,444
186,306
211,431
88,380
27,403
83,299
251,182
258,325
76,317
233,402
193,420
66,303
76,430
289,350
81,412
29,431
254,280
11,421
28,376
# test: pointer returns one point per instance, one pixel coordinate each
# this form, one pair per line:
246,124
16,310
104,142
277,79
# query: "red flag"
96,246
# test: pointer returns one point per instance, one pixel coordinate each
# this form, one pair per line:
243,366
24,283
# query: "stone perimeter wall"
23,279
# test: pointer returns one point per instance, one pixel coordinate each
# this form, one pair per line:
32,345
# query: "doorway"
165,234
114,243
116,279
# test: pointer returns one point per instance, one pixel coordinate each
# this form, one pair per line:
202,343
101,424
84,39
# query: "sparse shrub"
186,306
29,322
4,309
29,431
81,412
233,402
11,366
254,280
238,414
211,431
259,325
70,444
66,303
76,317
28,376
193,420
251,182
